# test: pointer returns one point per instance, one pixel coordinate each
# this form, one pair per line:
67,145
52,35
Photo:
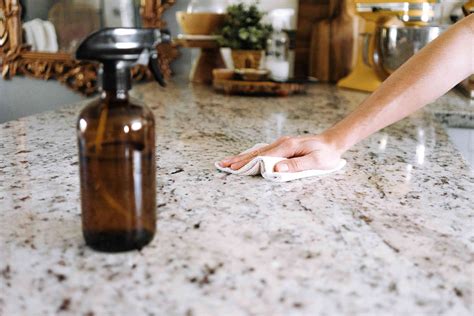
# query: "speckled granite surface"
454,110
392,234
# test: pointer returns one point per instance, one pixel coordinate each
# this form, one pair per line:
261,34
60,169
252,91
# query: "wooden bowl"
249,74
223,74
201,23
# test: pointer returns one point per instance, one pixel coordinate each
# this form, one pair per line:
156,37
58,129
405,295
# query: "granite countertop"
392,233
454,110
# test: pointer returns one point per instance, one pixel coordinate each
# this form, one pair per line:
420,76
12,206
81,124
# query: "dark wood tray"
258,88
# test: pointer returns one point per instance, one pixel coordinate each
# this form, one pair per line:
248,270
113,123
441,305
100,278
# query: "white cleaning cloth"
265,165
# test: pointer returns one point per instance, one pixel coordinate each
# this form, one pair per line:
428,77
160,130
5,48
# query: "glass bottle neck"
118,96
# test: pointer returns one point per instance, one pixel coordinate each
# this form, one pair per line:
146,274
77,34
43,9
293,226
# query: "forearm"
425,77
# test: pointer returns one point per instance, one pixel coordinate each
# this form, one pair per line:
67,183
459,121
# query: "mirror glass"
60,25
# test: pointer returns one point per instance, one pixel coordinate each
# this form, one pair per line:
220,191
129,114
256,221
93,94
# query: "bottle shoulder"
131,110
114,119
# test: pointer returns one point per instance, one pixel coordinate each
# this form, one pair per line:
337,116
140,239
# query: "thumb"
296,164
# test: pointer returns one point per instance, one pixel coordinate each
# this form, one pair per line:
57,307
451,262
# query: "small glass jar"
278,55
278,45
277,61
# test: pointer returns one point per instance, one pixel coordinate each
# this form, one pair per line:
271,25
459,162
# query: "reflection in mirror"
60,25
68,17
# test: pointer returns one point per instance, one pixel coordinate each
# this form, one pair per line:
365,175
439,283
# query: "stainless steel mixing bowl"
395,45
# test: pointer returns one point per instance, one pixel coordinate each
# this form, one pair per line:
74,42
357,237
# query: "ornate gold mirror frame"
16,58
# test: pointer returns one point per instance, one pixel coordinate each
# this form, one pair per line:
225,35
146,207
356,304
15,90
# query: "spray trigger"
151,60
155,68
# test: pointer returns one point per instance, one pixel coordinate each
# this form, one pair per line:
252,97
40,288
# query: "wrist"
336,140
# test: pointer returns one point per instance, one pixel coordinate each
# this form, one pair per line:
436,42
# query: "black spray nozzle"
118,49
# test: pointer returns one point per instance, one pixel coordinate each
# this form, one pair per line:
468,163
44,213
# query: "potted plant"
244,32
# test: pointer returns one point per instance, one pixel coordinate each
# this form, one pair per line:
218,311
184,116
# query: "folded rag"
264,166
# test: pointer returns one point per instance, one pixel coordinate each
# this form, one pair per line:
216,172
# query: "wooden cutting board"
309,12
334,42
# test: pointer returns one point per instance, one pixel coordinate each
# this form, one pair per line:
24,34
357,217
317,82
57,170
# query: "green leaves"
244,34
243,28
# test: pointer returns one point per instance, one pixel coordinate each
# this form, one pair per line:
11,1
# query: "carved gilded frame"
16,58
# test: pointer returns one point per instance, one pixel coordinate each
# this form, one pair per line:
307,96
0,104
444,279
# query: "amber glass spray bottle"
116,137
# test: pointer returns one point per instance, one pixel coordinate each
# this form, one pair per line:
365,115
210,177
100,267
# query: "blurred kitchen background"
110,13
324,46
116,13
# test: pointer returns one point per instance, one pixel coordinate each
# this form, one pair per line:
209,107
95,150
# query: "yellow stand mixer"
375,12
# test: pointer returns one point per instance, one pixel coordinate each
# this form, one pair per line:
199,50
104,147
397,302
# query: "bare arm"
425,77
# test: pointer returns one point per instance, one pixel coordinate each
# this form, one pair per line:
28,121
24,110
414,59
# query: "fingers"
227,162
237,162
282,150
307,153
298,164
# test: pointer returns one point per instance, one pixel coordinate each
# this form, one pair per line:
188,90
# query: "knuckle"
255,153
292,142
283,139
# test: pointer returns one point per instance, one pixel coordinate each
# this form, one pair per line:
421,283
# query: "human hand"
304,153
